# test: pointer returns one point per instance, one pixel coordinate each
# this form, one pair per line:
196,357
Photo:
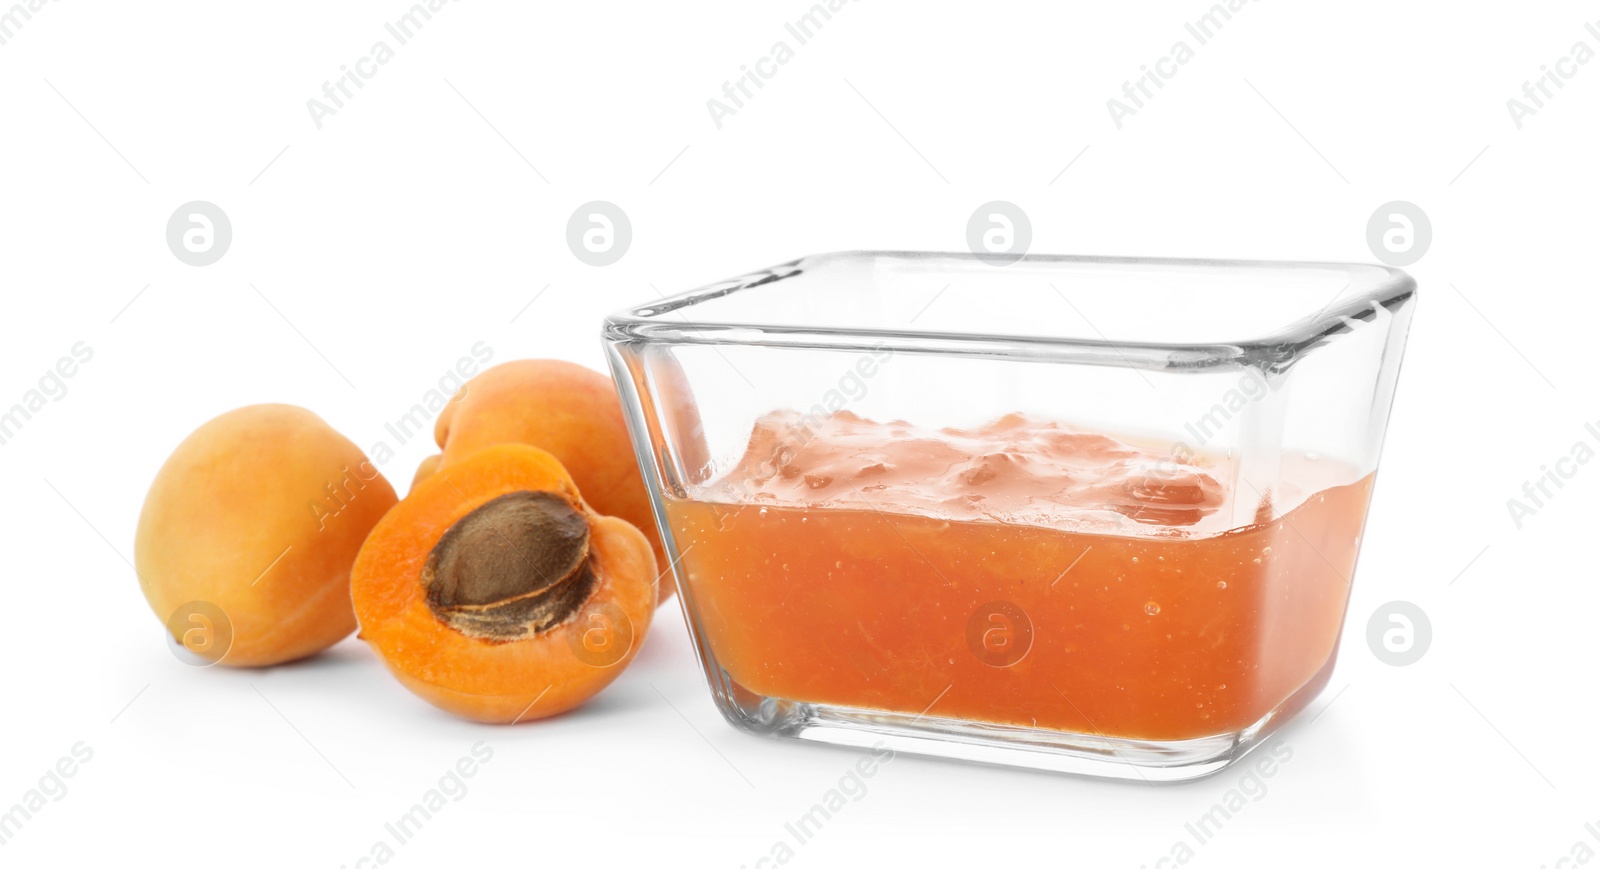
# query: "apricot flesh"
567,410
494,592
260,513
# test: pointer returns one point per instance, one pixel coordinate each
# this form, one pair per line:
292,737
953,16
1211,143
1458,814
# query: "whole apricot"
258,515
494,592
569,411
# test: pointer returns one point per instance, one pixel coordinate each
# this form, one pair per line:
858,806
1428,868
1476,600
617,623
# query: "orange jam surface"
1021,573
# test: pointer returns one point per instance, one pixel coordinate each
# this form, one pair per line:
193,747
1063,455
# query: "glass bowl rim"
1388,288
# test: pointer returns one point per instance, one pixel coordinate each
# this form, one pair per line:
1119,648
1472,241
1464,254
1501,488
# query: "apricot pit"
512,568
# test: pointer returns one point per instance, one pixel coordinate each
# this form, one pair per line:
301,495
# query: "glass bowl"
1088,514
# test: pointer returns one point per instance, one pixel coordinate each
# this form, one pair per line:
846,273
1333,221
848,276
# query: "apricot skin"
241,516
425,470
569,411
487,681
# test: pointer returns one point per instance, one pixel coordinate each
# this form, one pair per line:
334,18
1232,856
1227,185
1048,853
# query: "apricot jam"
1021,573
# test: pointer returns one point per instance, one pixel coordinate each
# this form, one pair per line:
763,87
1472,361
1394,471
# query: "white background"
372,253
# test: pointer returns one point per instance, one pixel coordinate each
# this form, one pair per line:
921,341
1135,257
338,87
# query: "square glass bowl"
1086,514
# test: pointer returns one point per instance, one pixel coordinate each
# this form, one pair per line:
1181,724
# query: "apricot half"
494,592
249,531
567,410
